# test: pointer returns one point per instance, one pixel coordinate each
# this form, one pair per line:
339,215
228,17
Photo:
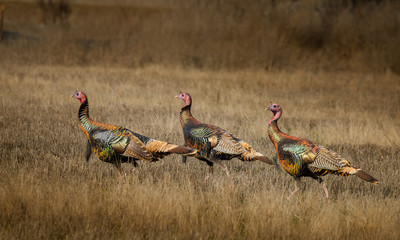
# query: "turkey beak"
268,108
177,96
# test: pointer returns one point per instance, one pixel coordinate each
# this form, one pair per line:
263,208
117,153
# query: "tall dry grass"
47,190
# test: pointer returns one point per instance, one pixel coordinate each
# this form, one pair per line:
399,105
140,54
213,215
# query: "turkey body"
117,145
214,144
303,158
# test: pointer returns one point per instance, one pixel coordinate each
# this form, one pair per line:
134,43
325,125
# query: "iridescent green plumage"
302,158
214,144
117,145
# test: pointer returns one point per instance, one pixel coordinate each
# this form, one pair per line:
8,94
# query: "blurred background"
316,35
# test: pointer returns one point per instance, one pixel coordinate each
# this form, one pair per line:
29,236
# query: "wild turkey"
213,144
117,145
303,158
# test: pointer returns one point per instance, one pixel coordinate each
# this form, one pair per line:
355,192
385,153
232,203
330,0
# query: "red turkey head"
276,110
80,96
185,98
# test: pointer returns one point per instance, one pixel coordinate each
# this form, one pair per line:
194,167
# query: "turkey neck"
186,116
274,132
85,122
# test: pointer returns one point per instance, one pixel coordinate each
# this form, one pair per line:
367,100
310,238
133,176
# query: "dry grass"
131,75
48,190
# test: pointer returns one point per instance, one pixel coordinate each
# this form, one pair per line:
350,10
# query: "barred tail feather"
365,176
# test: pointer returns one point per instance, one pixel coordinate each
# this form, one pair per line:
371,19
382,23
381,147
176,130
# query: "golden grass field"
48,191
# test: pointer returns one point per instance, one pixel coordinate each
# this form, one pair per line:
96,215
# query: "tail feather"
184,151
250,155
265,159
365,176
164,148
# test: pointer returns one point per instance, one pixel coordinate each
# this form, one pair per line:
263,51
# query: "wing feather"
328,160
135,148
299,152
228,145
202,138
110,138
